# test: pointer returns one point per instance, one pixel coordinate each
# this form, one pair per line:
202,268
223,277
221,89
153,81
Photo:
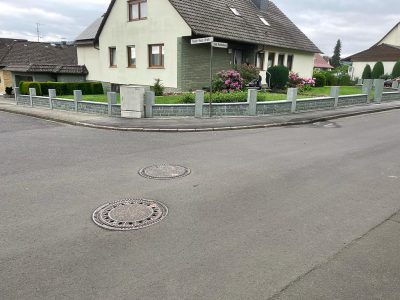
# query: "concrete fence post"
292,96
32,93
77,98
252,100
335,92
367,88
395,85
52,95
360,81
379,84
149,101
111,100
16,94
199,103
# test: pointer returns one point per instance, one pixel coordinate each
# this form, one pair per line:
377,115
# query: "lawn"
267,96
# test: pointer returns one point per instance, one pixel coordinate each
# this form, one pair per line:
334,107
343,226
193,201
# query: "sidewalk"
189,124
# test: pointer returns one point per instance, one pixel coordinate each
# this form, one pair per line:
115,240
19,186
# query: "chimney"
261,4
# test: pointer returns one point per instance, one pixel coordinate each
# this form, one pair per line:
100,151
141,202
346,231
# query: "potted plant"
9,92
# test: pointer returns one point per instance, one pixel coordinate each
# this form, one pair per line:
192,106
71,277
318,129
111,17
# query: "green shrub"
97,88
385,77
378,70
344,80
62,88
279,77
396,70
158,88
248,73
320,79
188,98
367,73
24,87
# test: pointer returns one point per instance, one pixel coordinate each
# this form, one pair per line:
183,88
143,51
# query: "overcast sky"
358,23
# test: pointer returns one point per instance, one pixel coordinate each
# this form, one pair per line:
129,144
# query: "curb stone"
183,130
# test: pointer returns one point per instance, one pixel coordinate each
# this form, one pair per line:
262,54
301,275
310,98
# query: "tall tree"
335,60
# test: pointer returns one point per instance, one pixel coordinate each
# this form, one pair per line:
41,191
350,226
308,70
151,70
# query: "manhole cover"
163,172
129,214
325,125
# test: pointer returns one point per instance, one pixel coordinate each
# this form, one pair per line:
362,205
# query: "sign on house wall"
202,40
220,45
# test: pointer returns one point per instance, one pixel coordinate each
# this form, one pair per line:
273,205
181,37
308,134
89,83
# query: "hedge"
62,88
378,70
279,77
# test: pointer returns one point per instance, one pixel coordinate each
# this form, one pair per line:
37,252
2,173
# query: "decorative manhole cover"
129,214
164,172
325,125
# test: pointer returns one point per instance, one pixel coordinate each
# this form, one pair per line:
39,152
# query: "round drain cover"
129,214
163,172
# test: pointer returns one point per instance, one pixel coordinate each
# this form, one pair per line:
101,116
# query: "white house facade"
137,41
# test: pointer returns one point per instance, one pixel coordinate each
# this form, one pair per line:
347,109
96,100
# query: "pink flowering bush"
228,81
303,84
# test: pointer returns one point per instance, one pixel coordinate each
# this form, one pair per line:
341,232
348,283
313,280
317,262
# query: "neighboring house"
386,50
21,60
321,64
140,40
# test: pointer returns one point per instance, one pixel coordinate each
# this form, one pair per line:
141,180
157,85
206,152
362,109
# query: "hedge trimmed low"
62,88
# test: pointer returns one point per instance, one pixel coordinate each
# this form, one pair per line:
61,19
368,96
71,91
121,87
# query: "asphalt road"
288,213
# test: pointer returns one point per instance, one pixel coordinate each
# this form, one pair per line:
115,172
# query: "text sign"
202,40
219,45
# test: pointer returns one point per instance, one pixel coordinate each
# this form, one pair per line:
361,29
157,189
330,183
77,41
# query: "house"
387,50
139,40
21,60
320,64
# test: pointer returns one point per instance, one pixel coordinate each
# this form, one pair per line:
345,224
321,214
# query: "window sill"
135,20
156,67
113,67
131,67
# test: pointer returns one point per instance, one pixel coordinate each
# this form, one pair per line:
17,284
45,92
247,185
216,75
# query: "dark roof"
383,52
24,52
89,34
47,68
6,45
214,18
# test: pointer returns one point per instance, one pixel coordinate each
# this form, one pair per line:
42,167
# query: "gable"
392,37
215,18
383,52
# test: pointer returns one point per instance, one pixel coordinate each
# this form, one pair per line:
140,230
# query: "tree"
335,60
396,70
378,70
367,73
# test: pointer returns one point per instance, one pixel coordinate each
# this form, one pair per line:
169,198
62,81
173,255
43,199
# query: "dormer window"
235,11
137,10
264,21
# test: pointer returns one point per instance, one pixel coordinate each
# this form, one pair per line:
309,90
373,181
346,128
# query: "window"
113,56
271,59
131,56
156,56
281,59
235,11
137,10
290,62
237,57
264,21
260,60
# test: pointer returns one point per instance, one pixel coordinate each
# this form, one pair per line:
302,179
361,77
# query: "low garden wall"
200,109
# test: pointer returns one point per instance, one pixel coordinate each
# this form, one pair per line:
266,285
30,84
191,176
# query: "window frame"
139,4
129,52
281,62
161,48
290,65
112,63
273,56
260,57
